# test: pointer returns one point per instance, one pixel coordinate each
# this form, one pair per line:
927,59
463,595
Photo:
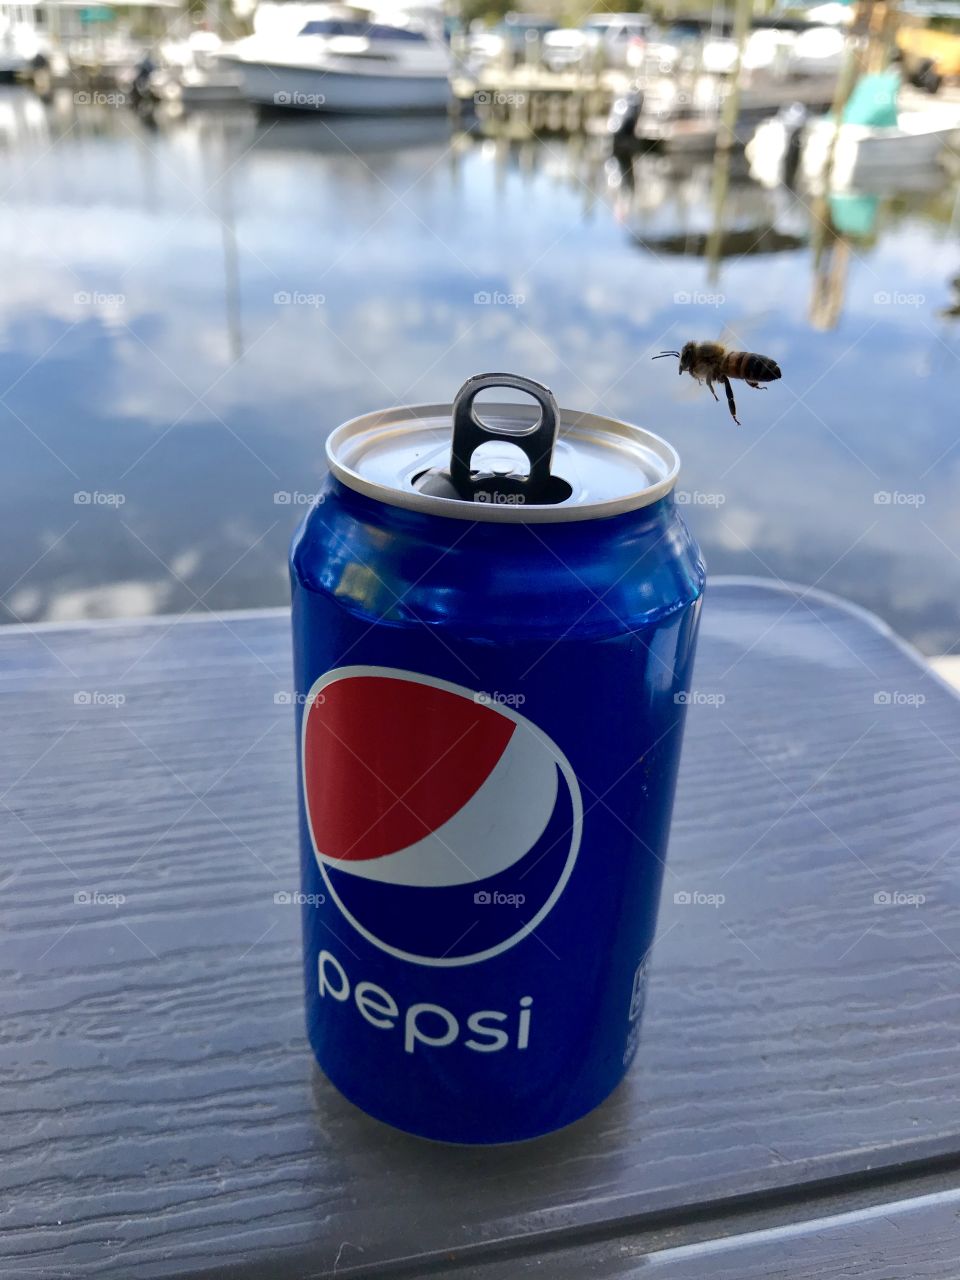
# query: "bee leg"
756,385
731,403
712,392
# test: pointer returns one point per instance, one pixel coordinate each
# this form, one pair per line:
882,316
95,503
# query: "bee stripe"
758,368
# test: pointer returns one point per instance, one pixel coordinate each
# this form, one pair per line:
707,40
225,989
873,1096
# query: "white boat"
20,38
862,153
344,64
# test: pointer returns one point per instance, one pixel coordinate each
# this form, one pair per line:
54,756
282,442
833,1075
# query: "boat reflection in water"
667,206
357,135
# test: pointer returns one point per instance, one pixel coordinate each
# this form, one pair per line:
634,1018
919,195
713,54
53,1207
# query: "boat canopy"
366,30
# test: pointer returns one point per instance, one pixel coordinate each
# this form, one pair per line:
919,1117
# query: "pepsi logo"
445,825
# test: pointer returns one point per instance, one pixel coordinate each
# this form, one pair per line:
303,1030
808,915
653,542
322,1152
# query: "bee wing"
744,336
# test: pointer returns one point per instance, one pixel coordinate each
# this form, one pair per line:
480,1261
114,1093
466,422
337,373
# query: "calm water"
144,353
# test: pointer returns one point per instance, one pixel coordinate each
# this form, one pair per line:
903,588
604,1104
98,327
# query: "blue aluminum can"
491,662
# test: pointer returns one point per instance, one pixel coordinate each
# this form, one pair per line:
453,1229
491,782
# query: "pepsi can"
494,621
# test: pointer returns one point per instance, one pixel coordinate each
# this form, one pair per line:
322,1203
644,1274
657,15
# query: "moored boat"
344,64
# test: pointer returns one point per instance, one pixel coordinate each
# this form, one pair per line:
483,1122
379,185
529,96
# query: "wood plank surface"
161,1112
912,1239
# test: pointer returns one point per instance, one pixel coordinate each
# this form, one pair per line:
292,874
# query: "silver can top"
448,461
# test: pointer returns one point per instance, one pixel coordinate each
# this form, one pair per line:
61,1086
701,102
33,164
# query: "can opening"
498,479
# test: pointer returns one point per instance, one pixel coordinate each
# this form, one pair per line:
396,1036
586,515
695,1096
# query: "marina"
240,172
208,254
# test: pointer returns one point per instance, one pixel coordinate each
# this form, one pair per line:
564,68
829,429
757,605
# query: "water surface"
187,310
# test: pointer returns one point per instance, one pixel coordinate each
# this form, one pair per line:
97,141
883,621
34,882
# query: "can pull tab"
536,441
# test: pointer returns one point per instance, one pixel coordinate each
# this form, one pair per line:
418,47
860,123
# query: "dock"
681,113
525,100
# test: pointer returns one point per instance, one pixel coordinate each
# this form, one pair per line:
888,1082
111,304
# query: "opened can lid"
606,466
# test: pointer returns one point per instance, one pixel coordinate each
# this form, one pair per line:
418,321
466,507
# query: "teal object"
874,100
854,215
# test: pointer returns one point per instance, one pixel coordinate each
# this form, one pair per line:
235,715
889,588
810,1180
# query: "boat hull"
862,153
288,88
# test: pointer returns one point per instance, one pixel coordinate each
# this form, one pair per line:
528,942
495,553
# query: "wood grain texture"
911,1239
161,1112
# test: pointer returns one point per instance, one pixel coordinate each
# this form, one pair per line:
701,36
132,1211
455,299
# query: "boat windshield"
368,30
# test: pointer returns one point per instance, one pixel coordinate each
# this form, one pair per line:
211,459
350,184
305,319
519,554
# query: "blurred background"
226,229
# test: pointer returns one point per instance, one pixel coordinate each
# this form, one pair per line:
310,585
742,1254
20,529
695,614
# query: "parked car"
616,33
523,33
513,40
677,47
567,47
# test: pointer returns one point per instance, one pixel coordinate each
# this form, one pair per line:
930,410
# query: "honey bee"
711,362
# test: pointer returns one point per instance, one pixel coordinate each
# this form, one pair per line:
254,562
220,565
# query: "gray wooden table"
793,1109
